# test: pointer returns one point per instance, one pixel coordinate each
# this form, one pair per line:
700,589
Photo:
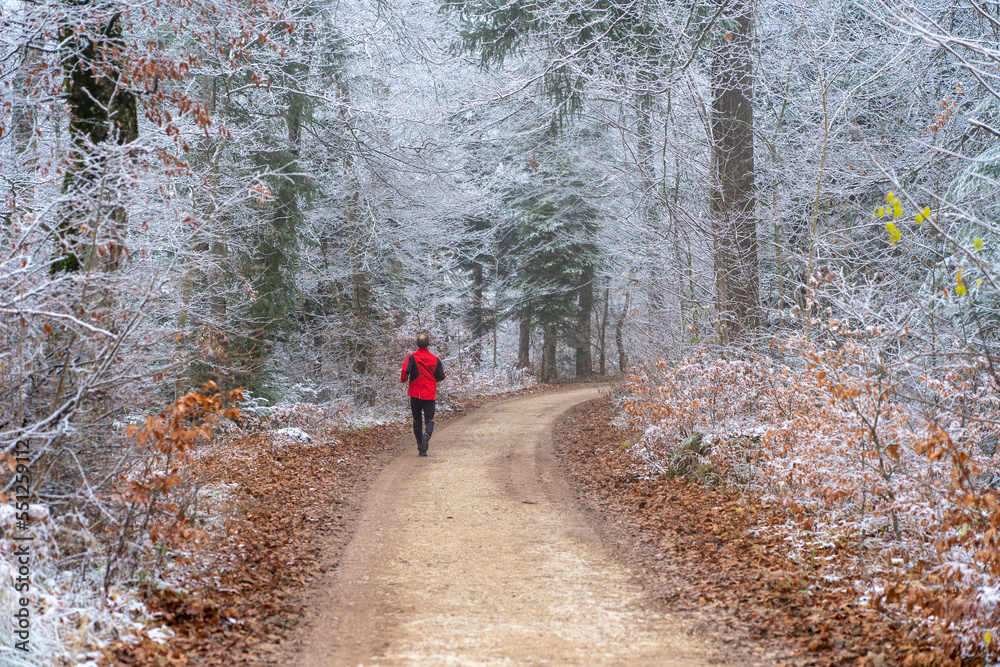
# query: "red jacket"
424,371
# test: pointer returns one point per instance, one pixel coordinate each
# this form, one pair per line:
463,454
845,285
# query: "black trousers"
425,409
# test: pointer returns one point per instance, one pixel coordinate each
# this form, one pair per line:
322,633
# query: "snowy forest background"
777,218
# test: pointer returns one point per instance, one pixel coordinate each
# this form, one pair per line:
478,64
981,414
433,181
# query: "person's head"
423,340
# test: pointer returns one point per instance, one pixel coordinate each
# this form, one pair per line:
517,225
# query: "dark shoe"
423,444
422,454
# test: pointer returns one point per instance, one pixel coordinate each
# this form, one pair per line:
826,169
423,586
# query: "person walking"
424,371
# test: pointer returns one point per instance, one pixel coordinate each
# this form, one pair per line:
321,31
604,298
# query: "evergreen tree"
475,259
553,257
632,48
272,260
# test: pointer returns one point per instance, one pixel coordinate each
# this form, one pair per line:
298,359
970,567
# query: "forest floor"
698,550
295,508
493,549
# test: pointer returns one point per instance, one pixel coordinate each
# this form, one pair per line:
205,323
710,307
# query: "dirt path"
478,555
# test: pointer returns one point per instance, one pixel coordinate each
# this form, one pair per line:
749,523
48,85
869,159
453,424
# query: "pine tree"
626,46
553,257
477,262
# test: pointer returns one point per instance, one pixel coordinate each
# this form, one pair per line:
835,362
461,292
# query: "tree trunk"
218,247
685,302
732,198
360,289
478,323
548,353
602,334
620,333
649,216
584,359
360,280
524,340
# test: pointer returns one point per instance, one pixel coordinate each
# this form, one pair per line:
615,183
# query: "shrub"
886,470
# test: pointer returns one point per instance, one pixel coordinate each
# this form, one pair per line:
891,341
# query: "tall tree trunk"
649,217
360,280
584,359
360,288
219,249
548,353
685,303
478,322
732,198
602,333
620,333
524,339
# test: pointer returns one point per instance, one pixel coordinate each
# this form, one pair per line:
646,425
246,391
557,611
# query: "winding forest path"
479,555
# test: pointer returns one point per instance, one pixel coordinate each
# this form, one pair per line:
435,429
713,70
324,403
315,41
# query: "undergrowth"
887,471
